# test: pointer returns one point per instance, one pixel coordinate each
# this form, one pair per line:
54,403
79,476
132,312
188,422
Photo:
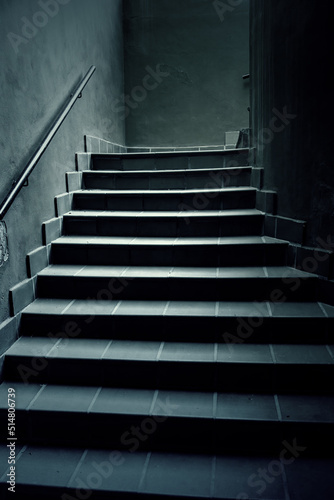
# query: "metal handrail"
17,185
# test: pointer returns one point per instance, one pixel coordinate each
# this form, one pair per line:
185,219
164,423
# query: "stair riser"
182,328
173,180
229,159
247,225
253,378
166,433
159,202
241,289
180,256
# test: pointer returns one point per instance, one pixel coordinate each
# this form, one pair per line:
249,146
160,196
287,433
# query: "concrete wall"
291,99
45,51
196,52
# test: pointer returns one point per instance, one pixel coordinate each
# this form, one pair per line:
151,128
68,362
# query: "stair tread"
152,154
97,349
130,401
168,240
95,192
96,271
166,171
166,213
178,308
188,475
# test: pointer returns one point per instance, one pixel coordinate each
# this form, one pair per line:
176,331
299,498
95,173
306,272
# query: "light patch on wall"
177,73
4,252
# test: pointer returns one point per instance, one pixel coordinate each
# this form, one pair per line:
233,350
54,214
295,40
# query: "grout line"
141,481
162,345
67,307
125,271
320,304
215,352
105,350
54,347
84,267
330,352
215,369
285,483
35,397
214,405
278,408
270,312
273,356
154,400
89,409
116,308
76,470
166,307
213,476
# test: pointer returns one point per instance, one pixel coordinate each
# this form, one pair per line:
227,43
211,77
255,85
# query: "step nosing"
165,171
112,192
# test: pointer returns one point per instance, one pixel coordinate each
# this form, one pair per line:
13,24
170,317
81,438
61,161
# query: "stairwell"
171,352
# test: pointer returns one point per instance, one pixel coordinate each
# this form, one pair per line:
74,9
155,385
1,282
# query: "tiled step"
223,223
172,251
205,322
107,417
255,368
167,179
67,473
173,283
165,199
171,161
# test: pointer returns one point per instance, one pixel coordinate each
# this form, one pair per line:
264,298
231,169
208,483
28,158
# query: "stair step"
223,322
257,368
167,327
165,199
248,222
171,160
173,251
55,472
167,179
104,416
168,283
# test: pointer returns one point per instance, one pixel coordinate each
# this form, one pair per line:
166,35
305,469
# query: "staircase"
171,352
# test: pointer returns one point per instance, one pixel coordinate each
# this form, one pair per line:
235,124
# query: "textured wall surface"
291,100
184,62
47,46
